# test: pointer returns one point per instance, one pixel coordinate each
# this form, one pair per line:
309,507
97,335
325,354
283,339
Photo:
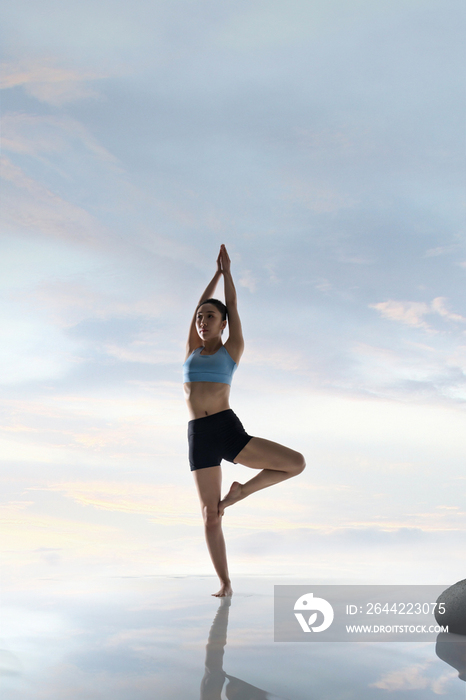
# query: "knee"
211,517
298,464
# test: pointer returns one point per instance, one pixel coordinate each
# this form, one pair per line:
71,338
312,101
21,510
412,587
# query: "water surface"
166,638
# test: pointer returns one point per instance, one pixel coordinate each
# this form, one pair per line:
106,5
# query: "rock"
454,599
451,648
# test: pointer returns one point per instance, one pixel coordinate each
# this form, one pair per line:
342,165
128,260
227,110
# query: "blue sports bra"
218,367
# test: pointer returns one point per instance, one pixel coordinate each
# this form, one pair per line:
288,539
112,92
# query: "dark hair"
220,306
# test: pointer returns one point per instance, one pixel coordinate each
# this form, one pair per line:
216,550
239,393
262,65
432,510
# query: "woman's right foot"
233,495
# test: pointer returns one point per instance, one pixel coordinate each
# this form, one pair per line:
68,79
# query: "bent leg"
209,482
275,461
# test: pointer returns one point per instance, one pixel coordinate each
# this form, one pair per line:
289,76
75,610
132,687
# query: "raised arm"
193,337
235,342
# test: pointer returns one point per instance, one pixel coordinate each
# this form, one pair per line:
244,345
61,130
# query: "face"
209,322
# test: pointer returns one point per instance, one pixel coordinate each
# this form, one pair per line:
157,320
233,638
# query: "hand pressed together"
223,260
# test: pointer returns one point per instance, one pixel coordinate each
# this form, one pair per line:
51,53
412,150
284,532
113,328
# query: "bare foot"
225,590
233,495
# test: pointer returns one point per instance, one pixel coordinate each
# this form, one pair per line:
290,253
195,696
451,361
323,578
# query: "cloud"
439,685
146,350
31,206
248,280
10,665
327,140
172,504
164,503
410,678
48,83
440,250
33,532
412,313
318,198
438,306
323,285
282,359
34,135
167,504
32,349
71,303
413,678
356,260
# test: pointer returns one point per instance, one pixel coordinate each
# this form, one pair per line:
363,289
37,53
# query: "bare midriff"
206,398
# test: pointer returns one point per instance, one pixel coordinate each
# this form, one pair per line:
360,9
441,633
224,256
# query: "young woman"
214,431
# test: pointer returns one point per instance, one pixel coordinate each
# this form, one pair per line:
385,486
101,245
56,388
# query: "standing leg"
275,461
209,482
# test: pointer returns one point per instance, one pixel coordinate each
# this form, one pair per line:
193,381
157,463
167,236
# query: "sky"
323,143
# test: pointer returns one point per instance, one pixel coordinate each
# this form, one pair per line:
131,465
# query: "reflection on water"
215,676
145,639
451,648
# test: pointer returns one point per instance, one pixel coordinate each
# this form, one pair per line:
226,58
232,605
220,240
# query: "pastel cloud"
170,504
412,313
414,678
31,531
31,349
162,501
48,83
438,306
36,135
29,205
318,198
248,281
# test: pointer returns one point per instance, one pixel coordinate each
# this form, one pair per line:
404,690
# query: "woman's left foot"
234,494
225,590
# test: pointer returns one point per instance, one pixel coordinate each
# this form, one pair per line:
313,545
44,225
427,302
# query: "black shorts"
216,437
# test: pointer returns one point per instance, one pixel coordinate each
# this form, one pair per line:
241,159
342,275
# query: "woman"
214,431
